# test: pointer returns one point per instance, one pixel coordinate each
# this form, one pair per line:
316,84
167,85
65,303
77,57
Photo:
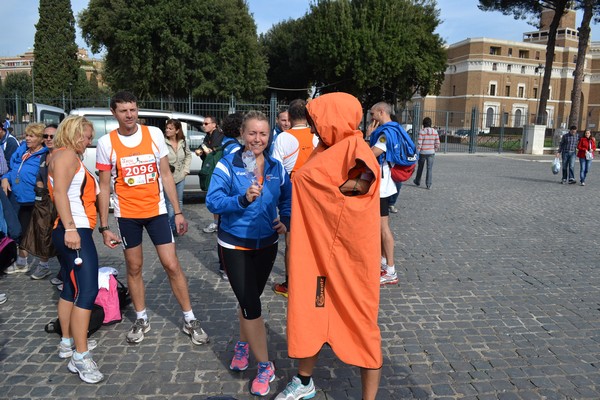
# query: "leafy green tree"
55,51
521,9
590,8
17,84
374,49
175,48
285,48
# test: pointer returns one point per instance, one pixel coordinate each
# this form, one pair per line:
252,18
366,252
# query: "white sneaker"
295,390
55,281
86,368
13,269
3,298
210,228
393,209
388,279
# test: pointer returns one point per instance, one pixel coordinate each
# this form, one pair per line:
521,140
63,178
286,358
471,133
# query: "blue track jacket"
243,224
26,171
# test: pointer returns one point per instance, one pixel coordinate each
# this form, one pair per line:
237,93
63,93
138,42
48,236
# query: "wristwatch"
103,228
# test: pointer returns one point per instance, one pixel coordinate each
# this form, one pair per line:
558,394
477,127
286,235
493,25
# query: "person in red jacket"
585,152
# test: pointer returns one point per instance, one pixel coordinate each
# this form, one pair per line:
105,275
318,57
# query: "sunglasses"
207,123
48,136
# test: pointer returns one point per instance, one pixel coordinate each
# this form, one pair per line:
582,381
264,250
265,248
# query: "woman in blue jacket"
247,200
24,165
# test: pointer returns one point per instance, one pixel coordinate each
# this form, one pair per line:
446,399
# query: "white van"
104,122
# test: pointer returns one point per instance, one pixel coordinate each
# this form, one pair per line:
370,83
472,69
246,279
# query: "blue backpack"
401,153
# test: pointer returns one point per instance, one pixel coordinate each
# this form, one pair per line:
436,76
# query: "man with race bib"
133,161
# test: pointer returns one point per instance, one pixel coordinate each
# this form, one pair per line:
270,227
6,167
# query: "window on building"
523,53
535,93
521,91
453,90
451,117
505,119
518,117
510,51
574,58
489,117
537,55
507,91
492,89
494,67
523,69
508,67
495,51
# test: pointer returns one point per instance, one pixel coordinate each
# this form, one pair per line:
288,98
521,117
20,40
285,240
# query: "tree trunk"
584,38
550,46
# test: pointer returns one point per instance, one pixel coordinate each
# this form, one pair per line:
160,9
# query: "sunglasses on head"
48,136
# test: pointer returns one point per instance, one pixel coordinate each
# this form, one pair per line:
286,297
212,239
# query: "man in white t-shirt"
133,160
380,115
292,148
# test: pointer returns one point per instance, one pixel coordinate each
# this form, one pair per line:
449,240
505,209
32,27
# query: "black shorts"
131,229
248,272
384,206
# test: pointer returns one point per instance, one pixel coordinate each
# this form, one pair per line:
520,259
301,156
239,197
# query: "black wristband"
103,228
178,213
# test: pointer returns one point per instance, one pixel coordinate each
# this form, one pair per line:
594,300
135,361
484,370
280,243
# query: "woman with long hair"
180,158
586,148
74,189
247,190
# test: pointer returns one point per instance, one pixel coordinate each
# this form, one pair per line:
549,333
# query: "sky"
461,19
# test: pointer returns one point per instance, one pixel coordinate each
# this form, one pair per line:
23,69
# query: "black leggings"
248,272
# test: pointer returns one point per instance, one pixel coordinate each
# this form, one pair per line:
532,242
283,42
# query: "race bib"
139,170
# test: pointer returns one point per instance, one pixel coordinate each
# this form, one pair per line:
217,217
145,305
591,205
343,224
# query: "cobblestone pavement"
498,299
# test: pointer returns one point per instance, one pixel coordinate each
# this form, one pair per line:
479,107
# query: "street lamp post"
70,96
538,70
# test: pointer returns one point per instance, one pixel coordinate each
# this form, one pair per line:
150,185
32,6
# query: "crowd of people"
269,184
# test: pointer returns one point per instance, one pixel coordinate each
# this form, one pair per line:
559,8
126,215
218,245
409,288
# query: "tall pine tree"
56,65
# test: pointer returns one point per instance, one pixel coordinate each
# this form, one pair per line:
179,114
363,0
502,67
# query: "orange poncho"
335,243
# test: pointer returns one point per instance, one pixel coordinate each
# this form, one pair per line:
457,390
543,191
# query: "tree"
590,8
56,65
520,10
285,48
175,48
374,49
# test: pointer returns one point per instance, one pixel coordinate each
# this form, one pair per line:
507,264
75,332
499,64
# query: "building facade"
503,79
24,63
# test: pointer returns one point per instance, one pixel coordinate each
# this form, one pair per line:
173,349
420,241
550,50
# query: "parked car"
463,132
104,122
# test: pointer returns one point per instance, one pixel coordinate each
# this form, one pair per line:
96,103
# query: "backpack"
401,154
8,252
113,300
210,162
95,322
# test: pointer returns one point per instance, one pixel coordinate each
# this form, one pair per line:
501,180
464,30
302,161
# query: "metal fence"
21,110
473,132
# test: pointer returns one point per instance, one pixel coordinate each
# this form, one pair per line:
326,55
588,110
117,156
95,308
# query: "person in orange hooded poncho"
334,249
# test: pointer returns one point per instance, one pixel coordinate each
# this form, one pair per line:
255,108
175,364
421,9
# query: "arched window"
518,115
489,117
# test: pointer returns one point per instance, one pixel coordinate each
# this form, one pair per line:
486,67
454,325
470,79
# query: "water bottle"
249,160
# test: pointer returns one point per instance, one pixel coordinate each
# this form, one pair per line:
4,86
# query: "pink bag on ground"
109,300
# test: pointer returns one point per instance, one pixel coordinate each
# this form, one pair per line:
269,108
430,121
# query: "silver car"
104,122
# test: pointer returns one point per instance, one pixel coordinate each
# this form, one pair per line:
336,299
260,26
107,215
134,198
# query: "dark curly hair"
231,125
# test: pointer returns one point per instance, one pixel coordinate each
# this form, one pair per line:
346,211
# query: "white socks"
188,316
141,315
